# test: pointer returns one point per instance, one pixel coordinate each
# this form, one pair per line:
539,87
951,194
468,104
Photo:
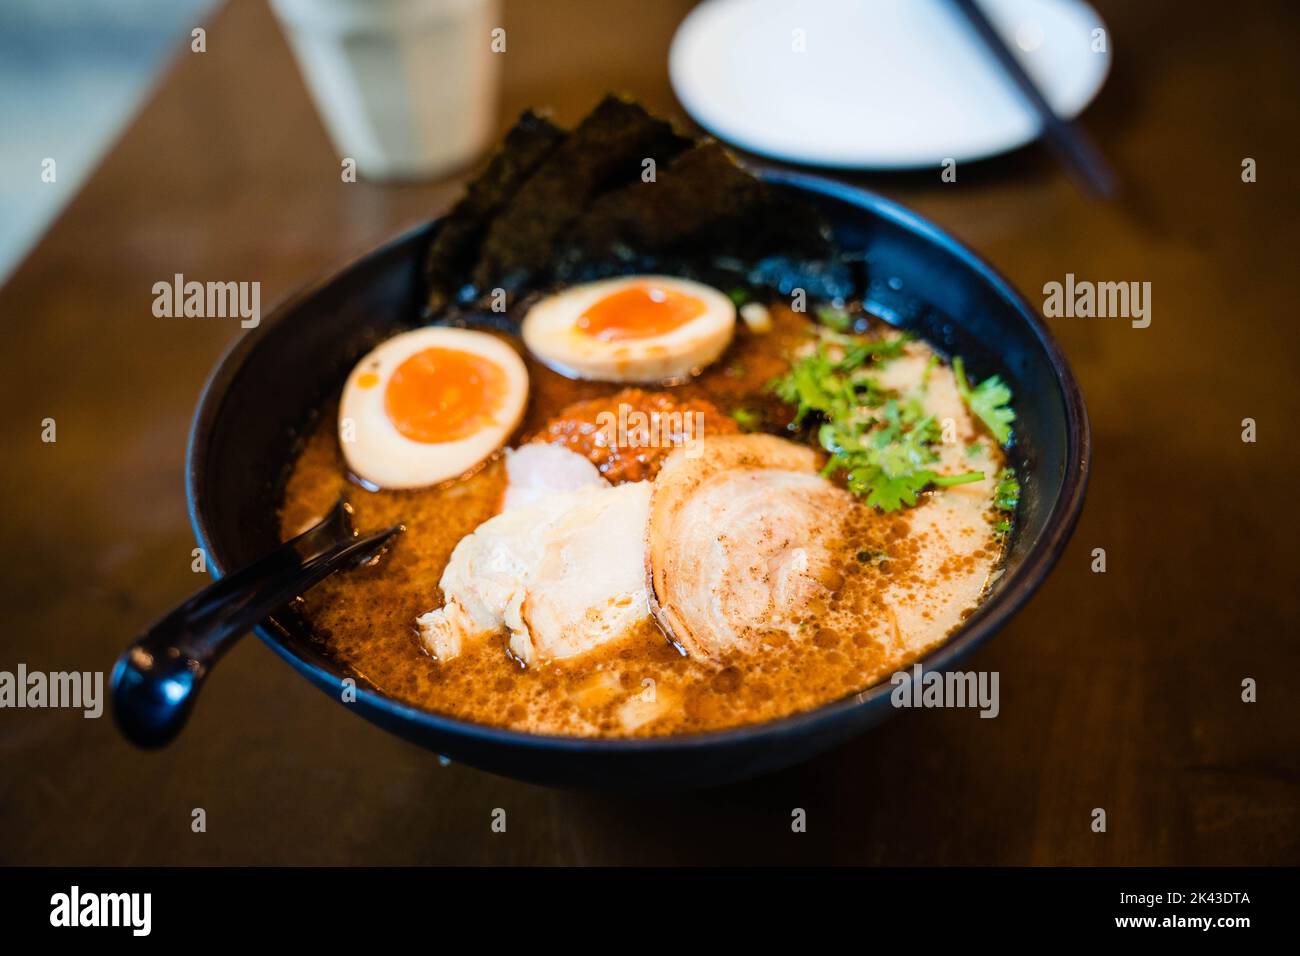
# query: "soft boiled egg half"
631,329
429,405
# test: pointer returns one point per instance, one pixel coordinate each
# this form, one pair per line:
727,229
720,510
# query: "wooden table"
1119,690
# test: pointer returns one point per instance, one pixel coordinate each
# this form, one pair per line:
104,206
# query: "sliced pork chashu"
742,541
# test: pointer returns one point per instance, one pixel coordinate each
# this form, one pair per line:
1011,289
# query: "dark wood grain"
1119,691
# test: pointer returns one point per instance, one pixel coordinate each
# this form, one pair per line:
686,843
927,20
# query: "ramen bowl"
263,396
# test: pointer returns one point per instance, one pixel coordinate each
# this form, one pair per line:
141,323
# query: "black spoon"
158,677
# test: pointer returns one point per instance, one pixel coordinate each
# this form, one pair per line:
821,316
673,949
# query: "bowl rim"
988,618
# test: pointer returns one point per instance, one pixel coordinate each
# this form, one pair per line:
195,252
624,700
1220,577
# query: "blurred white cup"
407,88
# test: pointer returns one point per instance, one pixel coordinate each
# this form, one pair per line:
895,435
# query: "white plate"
892,84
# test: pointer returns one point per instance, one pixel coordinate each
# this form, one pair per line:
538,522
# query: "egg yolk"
639,312
442,395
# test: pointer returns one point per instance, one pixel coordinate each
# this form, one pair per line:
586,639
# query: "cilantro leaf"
748,419
1005,498
1007,494
990,401
930,363
834,318
882,443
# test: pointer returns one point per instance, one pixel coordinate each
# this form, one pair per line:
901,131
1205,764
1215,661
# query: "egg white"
381,455
551,333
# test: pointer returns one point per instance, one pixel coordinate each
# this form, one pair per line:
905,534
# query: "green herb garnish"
1005,498
882,443
834,318
990,401
835,387
879,349
748,419
1007,495
930,363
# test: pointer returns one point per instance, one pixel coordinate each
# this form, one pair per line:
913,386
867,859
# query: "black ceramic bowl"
267,388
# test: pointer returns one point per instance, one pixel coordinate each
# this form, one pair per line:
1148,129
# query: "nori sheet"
604,151
554,206
703,203
455,247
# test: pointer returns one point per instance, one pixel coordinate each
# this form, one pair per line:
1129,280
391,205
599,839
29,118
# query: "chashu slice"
741,542
565,574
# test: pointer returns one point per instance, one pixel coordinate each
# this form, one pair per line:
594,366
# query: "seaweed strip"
555,206
606,150
454,249
702,203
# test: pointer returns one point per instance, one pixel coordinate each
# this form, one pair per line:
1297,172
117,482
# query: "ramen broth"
641,684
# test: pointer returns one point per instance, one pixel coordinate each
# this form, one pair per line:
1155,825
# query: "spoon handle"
158,677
